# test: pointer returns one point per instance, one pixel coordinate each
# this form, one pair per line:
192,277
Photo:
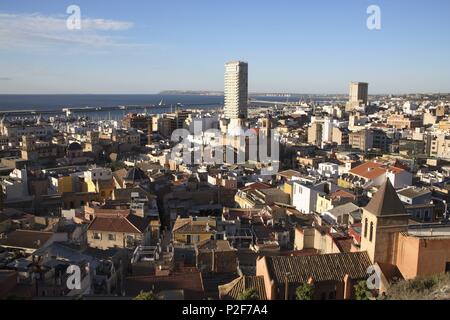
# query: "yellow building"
193,230
287,188
65,184
327,202
103,188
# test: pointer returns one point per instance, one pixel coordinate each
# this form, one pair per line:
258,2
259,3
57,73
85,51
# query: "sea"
33,104
149,103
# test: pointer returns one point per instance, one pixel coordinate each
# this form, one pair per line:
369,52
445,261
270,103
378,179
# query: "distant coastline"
191,93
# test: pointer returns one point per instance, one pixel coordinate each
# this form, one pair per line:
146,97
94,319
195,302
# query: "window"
111,237
97,236
447,267
371,232
365,228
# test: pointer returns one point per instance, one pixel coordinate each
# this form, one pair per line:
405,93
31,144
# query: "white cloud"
45,32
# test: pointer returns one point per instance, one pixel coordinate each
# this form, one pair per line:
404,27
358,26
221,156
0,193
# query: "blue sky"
291,45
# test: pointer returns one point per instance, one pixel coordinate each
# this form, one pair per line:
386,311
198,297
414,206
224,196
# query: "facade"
15,131
423,251
358,95
305,195
361,140
359,92
340,136
315,134
236,90
440,147
116,231
383,219
400,121
136,121
193,230
216,256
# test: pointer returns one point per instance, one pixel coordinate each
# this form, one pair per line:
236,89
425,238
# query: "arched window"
371,232
366,226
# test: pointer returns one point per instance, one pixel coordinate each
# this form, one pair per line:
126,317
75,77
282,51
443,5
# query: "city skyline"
143,48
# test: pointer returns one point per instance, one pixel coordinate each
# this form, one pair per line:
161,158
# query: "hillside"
428,288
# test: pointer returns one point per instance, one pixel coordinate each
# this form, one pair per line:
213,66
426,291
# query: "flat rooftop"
430,231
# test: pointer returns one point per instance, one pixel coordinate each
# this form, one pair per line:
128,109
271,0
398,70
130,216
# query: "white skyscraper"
236,90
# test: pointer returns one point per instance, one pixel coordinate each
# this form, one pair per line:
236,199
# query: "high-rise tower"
236,90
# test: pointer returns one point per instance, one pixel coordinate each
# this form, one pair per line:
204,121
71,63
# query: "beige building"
359,92
340,136
315,134
400,121
118,231
361,140
358,95
440,147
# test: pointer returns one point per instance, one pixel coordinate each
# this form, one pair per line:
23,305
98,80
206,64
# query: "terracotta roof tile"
130,224
190,282
232,290
322,267
372,170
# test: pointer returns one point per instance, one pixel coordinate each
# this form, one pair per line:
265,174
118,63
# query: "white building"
304,194
98,173
328,169
236,90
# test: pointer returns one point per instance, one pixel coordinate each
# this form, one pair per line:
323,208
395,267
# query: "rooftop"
371,170
386,202
413,192
26,239
321,267
118,223
232,290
